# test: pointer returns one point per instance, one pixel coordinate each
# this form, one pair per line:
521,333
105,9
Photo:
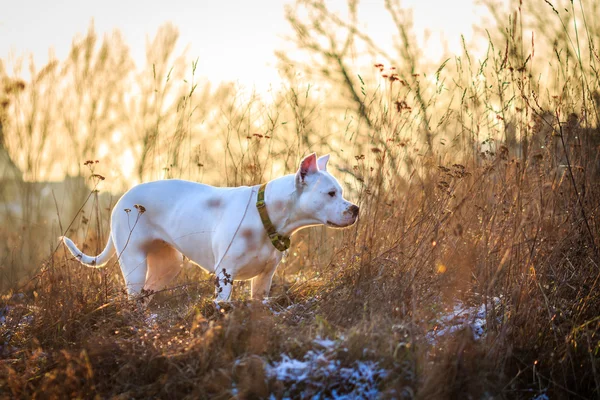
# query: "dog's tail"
95,262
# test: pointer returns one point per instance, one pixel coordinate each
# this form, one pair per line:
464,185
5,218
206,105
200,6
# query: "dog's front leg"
223,286
261,285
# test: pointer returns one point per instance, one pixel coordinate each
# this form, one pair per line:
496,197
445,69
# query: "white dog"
235,233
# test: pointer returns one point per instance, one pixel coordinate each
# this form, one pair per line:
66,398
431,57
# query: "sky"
234,40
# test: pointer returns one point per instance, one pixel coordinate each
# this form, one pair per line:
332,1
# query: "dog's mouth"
344,225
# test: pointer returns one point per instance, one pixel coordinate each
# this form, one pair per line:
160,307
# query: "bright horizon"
233,41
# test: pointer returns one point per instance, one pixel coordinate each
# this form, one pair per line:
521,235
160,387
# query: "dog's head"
320,194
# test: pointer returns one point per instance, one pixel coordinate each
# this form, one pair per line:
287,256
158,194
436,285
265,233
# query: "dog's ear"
308,166
322,162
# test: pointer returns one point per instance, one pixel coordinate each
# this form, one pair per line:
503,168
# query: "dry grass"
479,187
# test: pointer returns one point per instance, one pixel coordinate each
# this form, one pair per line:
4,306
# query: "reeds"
477,181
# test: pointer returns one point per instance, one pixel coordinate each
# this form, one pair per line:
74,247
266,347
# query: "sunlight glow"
116,136
103,150
127,162
236,47
211,33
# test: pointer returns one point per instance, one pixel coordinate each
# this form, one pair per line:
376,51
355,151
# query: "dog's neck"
281,196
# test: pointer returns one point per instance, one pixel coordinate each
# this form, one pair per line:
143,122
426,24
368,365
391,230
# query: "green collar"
281,243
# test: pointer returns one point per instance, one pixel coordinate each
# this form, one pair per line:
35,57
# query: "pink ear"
307,166
322,162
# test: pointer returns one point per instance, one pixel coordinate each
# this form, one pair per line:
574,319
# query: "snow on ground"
318,375
12,320
3,313
460,317
152,320
541,396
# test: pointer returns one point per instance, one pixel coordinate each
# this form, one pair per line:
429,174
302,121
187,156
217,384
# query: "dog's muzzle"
352,211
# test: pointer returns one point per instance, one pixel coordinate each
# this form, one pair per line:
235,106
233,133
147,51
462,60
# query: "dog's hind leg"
135,268
164,263
131,240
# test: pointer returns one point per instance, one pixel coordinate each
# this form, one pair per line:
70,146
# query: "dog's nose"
354,210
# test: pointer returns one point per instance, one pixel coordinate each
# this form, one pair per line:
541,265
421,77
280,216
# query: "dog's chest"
251,263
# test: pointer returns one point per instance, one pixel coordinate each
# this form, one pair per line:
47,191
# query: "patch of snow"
25,321
319,375
289,369
541,396
462,316
267,303
325,343
151,319
3,313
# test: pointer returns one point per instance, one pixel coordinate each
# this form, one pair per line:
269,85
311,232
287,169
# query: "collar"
281,243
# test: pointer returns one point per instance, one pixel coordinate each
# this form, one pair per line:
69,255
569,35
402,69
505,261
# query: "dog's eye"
332,193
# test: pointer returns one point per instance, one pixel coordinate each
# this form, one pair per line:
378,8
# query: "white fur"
217,228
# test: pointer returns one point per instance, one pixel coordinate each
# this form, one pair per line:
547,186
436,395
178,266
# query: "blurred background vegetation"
477,175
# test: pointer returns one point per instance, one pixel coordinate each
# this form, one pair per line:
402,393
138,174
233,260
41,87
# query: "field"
474,268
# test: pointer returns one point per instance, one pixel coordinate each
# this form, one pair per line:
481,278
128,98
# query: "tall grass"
476,178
